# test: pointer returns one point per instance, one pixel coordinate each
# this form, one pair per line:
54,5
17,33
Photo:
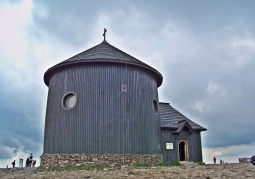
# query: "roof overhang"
67,64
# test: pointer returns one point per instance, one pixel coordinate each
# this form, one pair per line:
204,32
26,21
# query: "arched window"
155,105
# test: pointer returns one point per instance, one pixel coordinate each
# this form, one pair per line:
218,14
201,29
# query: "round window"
155,106
69,100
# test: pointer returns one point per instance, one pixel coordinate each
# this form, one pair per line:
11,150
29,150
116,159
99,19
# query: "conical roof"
102,53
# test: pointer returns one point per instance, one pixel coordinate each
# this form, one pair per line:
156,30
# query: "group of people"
30,162
221,161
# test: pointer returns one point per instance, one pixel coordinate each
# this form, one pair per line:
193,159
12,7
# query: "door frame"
186,148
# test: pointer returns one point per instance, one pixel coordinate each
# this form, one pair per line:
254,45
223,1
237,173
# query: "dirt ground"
230,171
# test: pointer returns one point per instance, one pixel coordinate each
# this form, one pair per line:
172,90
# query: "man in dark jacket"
214,160
27,162
13,164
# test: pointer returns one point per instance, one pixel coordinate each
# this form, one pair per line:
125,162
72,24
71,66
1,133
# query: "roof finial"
104,33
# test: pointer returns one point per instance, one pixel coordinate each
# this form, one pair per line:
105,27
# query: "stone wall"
55,160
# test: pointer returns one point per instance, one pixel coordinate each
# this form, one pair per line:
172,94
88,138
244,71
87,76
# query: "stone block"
94,159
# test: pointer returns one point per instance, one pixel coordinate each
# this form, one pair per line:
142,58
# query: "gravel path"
231,171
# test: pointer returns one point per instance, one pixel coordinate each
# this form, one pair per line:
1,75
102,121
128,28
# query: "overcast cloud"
205,51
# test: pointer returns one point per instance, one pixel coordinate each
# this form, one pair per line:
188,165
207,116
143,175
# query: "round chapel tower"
102,101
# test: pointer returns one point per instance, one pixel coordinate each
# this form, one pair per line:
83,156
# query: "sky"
205,51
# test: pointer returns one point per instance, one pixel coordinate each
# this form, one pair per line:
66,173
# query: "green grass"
176,164
117,165
39,169
145,165
162,164
201,163
101,167
73,168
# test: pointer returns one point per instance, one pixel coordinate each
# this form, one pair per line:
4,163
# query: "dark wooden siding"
193,141
169,155
195,147
105,119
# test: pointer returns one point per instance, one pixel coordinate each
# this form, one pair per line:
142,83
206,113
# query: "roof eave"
66,64
201,130
168,127
175,128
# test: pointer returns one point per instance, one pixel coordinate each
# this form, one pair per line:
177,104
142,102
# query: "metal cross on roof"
104,33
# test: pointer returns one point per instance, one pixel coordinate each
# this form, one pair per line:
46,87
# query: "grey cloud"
195,47
190,42
21,112
228,118
70,21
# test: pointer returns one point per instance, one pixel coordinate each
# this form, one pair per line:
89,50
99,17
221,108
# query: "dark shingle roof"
103,53
172,119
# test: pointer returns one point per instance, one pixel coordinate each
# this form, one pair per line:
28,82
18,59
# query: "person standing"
34,162
27,162
30,160
13,164
214,160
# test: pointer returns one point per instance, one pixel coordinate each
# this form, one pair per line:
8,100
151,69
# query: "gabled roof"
103,53
172,119
181,125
